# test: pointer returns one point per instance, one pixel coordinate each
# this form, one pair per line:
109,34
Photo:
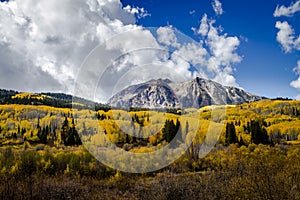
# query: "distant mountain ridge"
59,100
163,93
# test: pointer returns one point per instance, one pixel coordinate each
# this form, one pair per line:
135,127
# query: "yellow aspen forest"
48,151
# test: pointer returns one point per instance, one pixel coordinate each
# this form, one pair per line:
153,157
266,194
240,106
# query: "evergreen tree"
14,135
169,131
178,131
186,130
42,135
65,130
72,137
259,134
230,134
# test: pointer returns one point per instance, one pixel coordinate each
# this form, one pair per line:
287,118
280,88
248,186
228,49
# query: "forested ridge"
58,100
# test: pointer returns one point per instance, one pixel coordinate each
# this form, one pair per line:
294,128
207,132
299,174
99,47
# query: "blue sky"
265,68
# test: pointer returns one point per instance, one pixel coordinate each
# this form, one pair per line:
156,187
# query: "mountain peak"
160,80
162,93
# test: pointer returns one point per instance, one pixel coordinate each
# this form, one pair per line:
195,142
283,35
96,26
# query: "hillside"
41,155
59,100
19,123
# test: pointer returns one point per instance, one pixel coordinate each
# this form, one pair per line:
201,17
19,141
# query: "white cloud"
43,44
296,83
47,40
223,55
139,12
226,78
16,73
286,36
221,50
204,26
223,47
166,36
297,68
193,53
217,7
297,43
287,11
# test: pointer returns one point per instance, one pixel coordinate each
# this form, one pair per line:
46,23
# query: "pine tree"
65,130
230,134
186,130
169,131
71,136
43,134
178,131
259,134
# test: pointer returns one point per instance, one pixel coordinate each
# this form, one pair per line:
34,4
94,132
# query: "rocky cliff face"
167,94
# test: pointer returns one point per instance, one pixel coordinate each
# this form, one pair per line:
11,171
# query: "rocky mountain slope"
163,93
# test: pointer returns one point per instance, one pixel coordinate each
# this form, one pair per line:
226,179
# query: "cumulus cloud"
166,36
221,50
194,53
297,43
44,43
139,12
296,83
203,29
14,74
287,11
223,47
297,68
217,7
286,36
